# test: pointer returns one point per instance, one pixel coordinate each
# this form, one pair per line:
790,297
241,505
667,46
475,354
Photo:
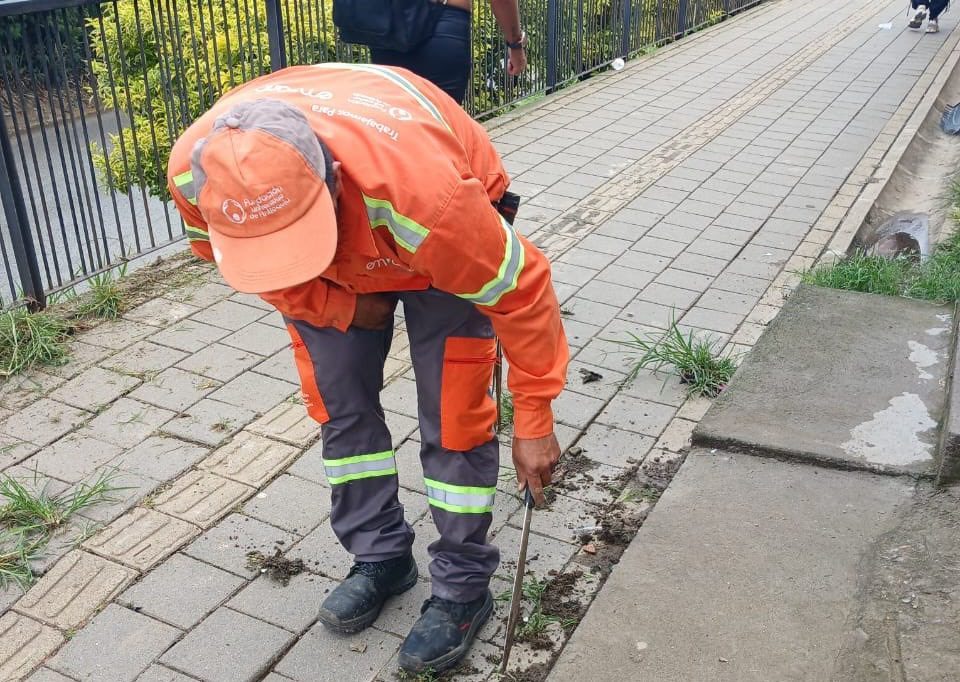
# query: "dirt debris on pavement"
276,566
446,676
556,599
535,673
589,376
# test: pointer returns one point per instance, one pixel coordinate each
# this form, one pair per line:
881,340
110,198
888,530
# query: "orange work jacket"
419,176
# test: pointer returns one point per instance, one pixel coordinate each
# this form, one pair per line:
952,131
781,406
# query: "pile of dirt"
535,673
572,470
538,641
276,566
556,597
658,473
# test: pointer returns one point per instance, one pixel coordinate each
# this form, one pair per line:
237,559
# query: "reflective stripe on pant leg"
348,469
462,559
460,499
460,485
366,514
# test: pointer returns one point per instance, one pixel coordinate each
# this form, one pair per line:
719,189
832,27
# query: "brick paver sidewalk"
693,183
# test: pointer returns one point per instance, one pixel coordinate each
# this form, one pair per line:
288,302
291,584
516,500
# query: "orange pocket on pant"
467,412
308,378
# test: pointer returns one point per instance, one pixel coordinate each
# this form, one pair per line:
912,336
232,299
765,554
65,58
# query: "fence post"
682,19
553,34
627,20
278,51
15,211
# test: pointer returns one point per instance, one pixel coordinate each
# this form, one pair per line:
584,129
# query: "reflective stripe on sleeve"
507,275
406,233
361,466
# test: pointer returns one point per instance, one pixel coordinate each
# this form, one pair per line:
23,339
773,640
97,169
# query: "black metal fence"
94,92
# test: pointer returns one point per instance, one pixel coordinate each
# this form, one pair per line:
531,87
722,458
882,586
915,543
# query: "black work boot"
444,633
356,602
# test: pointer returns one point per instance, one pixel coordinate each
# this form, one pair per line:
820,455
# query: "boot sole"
365,620
452,658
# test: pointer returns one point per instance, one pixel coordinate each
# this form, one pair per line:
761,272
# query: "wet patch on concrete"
893,436
923,356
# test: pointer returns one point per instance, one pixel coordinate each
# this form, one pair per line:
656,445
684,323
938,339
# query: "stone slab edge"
948,447
713,441
706,435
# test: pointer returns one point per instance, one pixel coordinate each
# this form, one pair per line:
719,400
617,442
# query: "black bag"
399,25
508,206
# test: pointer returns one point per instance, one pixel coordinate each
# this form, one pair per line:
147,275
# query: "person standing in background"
924,8
446,57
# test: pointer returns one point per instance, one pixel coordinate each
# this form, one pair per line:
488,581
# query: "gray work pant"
452,348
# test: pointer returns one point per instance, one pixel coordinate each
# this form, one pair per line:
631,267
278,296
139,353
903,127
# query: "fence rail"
94,92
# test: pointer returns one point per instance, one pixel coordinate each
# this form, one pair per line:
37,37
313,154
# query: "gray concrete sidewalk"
693,183
755,568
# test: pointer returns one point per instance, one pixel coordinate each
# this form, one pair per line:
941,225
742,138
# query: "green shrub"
177,66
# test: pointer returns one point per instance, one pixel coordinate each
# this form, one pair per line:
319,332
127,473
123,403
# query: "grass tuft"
105,299
16,553
28,338
935,279
29,517
860,272
538,621
41,512
696,361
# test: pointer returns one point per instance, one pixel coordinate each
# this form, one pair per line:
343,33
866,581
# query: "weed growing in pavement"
16,553
696,361
29,517
105,299
935,279
537,622
31,338
222,425
42,512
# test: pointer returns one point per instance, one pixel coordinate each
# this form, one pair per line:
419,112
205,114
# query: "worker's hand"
516,61
535,459
374,311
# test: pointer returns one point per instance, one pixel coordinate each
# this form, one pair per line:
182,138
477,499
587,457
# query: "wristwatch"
520,44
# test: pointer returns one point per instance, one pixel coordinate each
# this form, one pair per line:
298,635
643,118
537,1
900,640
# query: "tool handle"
528,498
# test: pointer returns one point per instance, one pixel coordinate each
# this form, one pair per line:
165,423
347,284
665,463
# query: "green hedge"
178,65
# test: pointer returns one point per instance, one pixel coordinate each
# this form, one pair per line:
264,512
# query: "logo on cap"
234,211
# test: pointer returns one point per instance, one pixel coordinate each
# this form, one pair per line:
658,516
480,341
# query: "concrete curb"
948,447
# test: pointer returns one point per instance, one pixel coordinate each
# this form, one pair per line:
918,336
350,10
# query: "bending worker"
335,191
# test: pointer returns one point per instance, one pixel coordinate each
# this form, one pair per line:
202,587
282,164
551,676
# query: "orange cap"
261,188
